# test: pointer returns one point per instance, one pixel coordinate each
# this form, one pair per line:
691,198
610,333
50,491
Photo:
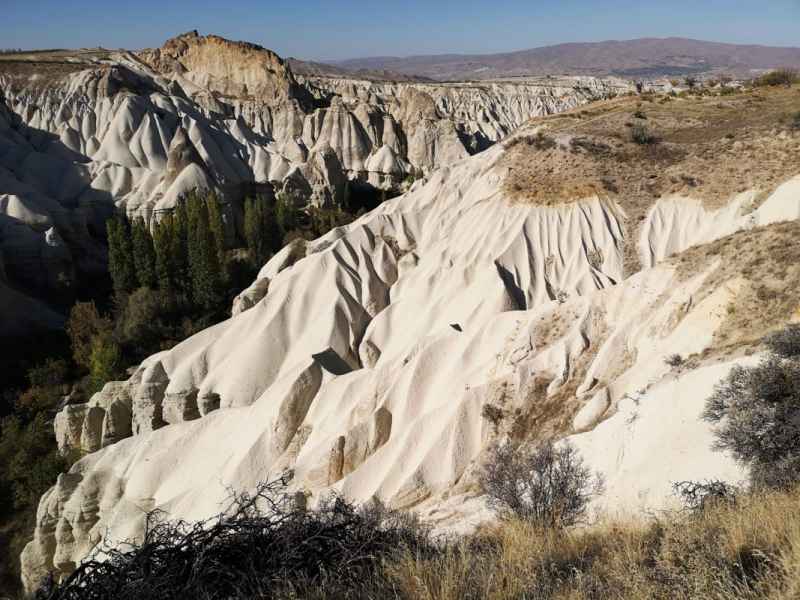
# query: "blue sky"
333,29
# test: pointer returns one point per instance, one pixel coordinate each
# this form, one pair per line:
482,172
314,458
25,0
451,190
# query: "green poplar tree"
259,229
286,213
166,272
213,206
348,197
121,265
204,259
180,249
144,254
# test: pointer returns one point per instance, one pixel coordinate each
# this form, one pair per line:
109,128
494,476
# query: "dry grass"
749,551
769,260
21,73
711,148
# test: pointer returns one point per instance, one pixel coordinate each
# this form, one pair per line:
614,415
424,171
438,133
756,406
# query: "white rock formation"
362,361
134,132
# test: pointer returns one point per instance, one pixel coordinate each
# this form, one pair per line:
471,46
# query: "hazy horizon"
344,29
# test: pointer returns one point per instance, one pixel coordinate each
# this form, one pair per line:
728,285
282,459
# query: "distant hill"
631,58
309,68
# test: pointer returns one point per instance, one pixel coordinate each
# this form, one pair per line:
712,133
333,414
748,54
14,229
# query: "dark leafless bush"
539,141
589,145
492,413
757,415
673,360
548,484
263,542
785,342
688,180
699,496
609,185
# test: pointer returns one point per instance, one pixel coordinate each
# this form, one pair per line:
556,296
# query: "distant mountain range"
632,58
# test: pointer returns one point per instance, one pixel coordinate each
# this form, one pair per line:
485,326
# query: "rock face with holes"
363,360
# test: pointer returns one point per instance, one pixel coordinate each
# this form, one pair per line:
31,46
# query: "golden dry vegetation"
710,148
768,258
723,552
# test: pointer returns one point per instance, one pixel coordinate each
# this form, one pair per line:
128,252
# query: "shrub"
83,325
52,373
539,141
548,485
699,496
30,461
297,234
778,77
690,82
638,133
106,363
147,318
265,545
785,342
639,114
756,412
589,145
492,413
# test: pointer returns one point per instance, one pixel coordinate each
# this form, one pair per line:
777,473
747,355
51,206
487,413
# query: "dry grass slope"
751,551
709,148
745,551
769,260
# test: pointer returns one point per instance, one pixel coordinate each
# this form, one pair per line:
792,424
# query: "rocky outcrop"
112,133
433,124
363,360
104,420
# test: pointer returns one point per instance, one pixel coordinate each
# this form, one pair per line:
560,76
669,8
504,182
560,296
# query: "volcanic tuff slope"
88,134
363,360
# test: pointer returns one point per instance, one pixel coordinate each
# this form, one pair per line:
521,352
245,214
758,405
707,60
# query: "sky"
339,29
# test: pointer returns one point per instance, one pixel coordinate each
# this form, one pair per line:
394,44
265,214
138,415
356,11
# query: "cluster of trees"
266,224
184,255
182,277
166,283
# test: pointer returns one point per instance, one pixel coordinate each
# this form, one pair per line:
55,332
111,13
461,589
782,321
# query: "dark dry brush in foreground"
263,545
746,549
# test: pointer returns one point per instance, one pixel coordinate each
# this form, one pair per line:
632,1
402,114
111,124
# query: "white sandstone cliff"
364,365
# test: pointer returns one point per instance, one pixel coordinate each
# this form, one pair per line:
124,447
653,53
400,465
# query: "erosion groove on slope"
350,368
